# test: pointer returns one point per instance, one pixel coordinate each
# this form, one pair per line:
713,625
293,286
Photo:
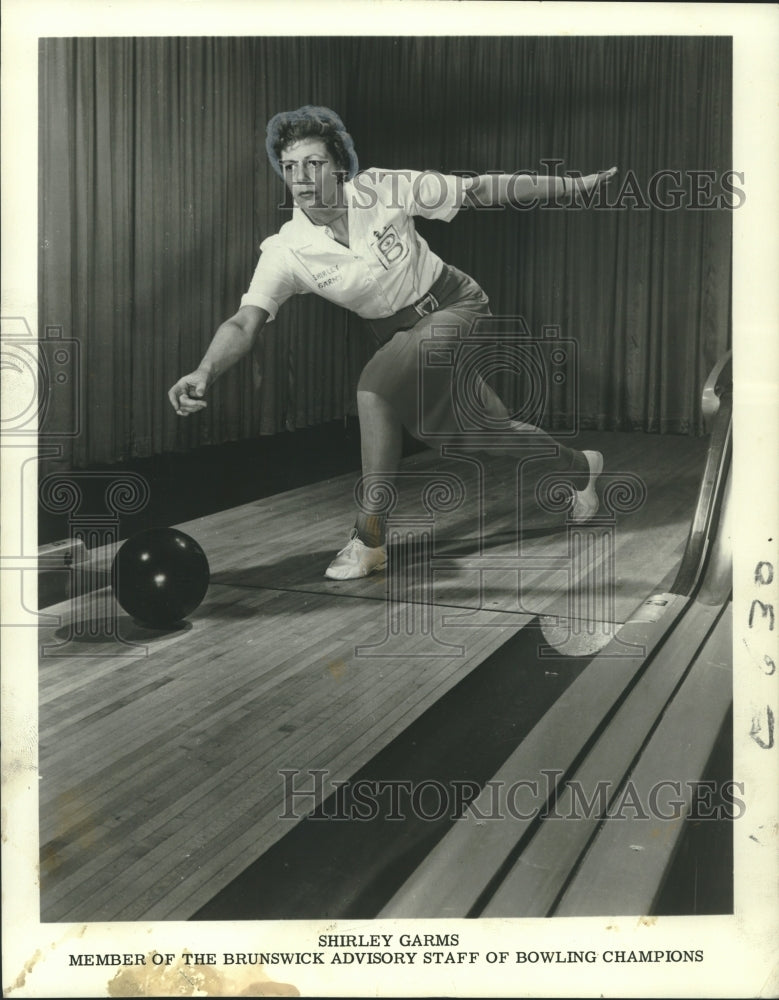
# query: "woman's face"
311,174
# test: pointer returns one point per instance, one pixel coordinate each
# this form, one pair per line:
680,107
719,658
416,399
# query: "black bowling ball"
160,576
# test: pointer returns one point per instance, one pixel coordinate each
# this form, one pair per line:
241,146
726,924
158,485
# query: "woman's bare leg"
381,444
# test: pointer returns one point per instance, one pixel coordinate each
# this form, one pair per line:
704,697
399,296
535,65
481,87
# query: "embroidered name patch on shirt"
329,276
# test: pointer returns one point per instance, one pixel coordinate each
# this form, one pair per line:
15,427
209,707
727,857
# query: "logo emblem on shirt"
389,247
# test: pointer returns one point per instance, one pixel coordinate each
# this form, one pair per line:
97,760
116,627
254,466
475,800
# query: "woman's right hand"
186,396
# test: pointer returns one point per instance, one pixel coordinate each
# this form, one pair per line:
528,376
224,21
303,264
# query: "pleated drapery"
155,194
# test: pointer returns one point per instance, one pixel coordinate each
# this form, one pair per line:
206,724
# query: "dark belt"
387,326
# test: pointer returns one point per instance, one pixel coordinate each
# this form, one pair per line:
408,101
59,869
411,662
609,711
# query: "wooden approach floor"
160,752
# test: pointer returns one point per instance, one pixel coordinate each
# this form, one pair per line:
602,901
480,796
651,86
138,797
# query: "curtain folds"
155,194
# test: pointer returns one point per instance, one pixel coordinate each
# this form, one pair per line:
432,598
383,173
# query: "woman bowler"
353,241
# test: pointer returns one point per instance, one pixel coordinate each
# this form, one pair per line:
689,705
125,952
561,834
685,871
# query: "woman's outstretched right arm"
232,341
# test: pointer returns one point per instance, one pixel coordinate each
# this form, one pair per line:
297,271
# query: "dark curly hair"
311,122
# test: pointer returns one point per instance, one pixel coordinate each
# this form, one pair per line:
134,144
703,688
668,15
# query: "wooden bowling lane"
626,864
160,771
612,719
286,541
160,751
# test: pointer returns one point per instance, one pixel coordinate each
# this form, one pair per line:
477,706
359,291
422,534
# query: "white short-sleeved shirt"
387,264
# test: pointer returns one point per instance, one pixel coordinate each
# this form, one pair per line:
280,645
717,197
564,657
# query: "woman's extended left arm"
527,190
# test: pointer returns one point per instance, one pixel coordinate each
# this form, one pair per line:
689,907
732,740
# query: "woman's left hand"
593,181
589,183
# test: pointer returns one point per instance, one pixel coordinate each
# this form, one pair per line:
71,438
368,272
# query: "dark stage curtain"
155,194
